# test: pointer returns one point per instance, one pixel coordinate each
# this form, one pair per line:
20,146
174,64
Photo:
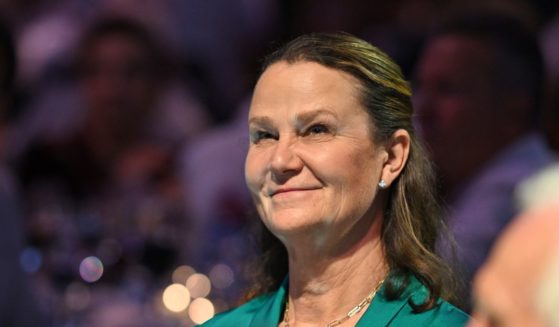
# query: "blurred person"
120,70
110,188
17,304
344,189
519,283
120,62
123,74
478,91
51,103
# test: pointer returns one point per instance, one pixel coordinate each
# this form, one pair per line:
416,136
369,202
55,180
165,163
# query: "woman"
339,178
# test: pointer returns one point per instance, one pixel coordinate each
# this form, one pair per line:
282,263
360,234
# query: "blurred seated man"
519,284
477,92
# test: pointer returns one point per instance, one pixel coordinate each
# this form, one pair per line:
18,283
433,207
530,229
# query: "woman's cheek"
255,172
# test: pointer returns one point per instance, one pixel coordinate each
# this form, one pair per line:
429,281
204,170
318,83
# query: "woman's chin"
295,227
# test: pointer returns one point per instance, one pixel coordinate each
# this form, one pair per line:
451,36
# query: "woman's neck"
324,287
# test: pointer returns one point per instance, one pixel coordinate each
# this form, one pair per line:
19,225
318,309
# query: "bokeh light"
199,285
77,296
181,274
176,297
201,310
91,269
31,259
221,276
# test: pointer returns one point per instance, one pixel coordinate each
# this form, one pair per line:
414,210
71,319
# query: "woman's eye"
257,136
317,129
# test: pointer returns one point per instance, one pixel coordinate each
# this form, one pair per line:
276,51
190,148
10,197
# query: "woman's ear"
398,149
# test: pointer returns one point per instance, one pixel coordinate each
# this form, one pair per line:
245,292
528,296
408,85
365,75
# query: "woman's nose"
285,162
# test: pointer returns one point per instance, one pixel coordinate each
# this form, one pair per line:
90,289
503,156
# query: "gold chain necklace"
337,322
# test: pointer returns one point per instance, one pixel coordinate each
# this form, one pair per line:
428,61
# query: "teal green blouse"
266,311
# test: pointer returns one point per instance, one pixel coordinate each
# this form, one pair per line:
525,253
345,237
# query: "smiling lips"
288,190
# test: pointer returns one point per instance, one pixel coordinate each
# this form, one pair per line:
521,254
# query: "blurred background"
122,142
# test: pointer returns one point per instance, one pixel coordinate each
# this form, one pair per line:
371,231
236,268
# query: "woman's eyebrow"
302,118
310,115
263,121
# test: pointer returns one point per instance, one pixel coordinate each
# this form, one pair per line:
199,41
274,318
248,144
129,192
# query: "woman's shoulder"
443,314
400,312
240,316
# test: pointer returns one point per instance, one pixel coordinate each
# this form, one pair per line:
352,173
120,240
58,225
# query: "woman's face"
312,165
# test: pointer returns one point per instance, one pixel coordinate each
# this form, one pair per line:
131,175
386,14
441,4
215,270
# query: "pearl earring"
382,184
